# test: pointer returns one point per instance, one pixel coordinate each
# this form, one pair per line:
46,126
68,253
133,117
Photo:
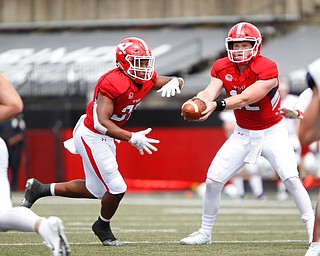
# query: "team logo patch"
229,77
130,96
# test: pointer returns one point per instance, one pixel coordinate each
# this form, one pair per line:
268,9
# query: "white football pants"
12,218
98,154
275,147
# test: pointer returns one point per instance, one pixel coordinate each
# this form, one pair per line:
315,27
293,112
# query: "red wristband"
300,114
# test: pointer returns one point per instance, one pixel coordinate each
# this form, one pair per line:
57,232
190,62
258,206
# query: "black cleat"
105,235
31,193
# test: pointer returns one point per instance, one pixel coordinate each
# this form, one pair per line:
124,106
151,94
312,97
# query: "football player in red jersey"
116,95
251,84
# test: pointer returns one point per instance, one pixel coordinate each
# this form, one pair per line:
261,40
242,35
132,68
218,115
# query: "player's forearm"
7,112
118,133
236,102
209,95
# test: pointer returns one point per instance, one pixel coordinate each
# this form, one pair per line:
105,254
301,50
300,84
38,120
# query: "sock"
211,204
52,187
105,232
45,190
303,203
103,222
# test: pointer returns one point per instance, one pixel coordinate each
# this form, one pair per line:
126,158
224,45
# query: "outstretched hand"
290,113
171,88
142,143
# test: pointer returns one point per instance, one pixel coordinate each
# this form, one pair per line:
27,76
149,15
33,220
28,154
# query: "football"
192,109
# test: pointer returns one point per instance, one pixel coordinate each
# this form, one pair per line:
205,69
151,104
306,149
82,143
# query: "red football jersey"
261,114
126,95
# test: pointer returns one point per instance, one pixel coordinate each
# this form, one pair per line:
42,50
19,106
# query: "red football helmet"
134,57
239,33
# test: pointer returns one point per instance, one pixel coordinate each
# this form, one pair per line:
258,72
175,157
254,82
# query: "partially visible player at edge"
20,218
116,95
310,132
308,109
251,84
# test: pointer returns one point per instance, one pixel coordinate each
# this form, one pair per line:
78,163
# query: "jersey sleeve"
218,66
266,69
113,85
214,70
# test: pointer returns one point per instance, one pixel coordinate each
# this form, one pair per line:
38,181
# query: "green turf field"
153,224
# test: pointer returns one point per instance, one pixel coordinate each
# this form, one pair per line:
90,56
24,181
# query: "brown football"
192,109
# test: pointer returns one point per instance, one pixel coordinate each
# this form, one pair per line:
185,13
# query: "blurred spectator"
13,133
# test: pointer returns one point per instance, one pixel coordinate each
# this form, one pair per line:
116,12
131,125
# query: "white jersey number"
248,107
126,113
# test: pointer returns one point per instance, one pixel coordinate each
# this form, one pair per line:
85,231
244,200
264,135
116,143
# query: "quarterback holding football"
252,92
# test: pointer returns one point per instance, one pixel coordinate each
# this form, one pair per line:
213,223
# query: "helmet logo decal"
124,46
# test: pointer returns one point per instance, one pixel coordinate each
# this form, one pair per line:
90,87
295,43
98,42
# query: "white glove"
170,88
291,114
141,142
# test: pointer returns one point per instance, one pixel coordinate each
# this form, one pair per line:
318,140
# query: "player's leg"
35,190
23,219
281,190
18,218
314,247
112,179
211,204
302,201
281,156
101,227
227,162
103,179
50,229
5,194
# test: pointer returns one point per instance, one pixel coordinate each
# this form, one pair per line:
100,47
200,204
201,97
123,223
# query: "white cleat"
196,238
54,237
314,249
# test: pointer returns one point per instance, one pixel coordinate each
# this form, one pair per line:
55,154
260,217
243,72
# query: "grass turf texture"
154,224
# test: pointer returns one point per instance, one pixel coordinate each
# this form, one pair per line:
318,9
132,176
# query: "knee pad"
213,186
117,185
292,183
